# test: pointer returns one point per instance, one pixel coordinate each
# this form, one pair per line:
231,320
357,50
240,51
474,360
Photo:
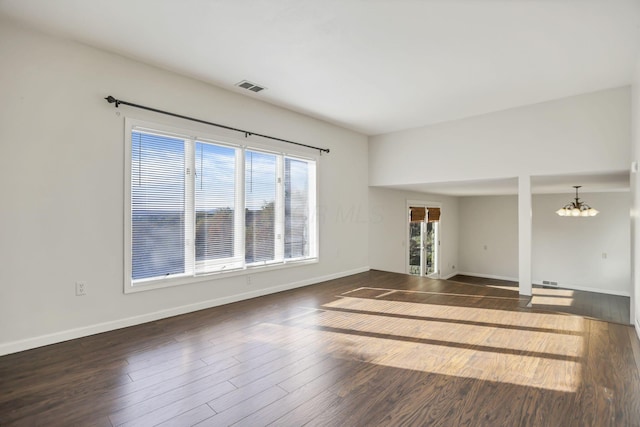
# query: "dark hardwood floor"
612,308
371,349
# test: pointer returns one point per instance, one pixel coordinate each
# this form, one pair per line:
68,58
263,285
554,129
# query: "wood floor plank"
623,369
283,361
358,400
270,380
139,417
306,376
247,407
139,409
281,407
189,418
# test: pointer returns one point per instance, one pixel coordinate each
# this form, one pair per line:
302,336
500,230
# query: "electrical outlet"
81,289
248,280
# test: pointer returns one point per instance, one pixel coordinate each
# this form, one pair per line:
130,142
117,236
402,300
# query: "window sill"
187,280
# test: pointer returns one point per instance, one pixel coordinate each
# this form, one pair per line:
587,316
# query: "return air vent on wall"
250,86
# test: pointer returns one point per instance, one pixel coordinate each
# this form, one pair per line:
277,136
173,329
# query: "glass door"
431,244
416,245
424,241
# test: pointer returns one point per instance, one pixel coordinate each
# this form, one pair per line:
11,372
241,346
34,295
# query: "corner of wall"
635,199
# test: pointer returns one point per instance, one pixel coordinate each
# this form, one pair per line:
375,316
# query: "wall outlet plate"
81,289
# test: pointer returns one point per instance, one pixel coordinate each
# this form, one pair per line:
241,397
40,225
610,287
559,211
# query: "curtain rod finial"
110,99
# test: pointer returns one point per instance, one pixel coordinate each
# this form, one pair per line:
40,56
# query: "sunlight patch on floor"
488,337
543,350
557,301
560,322
496,366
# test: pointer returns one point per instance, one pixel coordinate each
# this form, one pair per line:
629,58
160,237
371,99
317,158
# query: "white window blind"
157,205
215,204
298,177
260,206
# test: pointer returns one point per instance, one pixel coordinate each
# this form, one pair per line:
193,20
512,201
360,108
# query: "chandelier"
577,208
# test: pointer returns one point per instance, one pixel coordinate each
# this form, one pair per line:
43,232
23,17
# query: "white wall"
564,250
635,201
489,236
61,180
570,250
388,229
586,133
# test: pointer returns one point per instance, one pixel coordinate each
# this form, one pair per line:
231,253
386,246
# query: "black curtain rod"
111,100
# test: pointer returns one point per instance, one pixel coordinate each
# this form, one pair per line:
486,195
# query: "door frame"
407,220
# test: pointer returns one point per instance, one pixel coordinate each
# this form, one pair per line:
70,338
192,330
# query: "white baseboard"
583,288
560,285
69,334
449,276
638,328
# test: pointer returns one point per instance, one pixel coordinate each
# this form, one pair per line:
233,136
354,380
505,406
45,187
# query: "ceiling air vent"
250,86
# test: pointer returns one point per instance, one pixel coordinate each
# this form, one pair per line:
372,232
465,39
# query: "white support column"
524,234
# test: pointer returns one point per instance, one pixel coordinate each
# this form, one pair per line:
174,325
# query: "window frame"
191,275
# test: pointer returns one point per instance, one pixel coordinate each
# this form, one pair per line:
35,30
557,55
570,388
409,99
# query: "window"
216,207
297,200
261,178
157,205
197,206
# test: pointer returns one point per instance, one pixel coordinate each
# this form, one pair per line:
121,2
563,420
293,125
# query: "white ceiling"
374,66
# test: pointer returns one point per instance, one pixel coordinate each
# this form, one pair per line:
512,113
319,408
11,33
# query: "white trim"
560,285
419,203
449,276
69,334
587,289
220,274
638,328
